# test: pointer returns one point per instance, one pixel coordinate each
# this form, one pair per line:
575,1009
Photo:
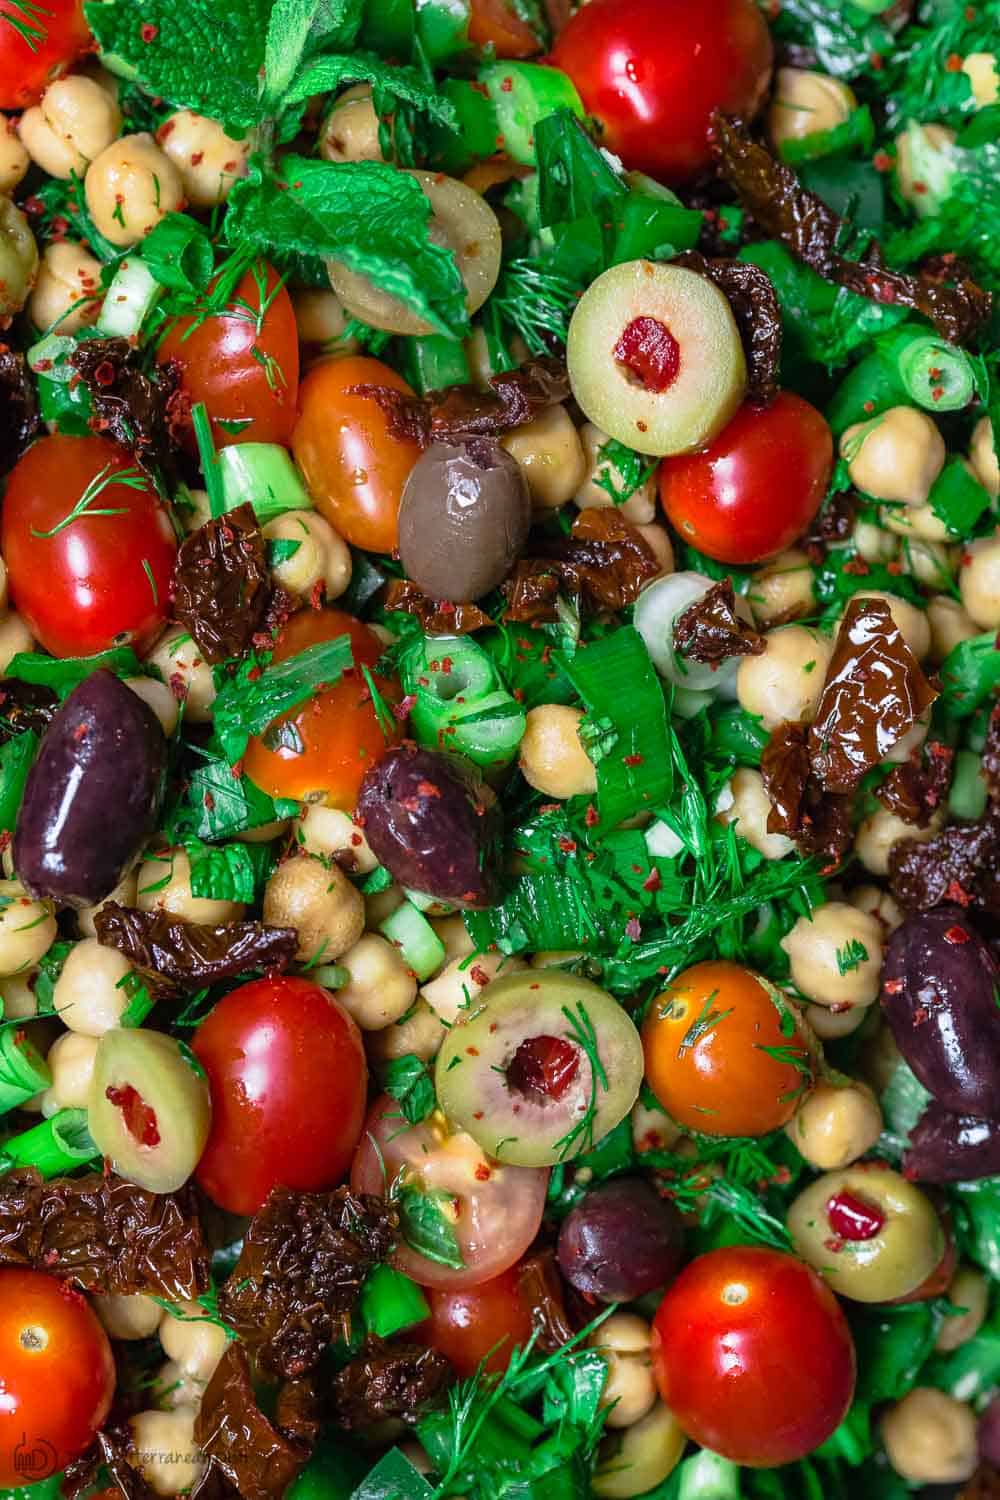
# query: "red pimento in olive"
650,353
544,1066
853,1218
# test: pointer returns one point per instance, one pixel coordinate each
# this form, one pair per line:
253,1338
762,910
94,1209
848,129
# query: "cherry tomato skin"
479,1323
753,1355
57,1375
288,1079
493,23
708,1041
755,489
242,363
338,729
100,580
26,69
653,71
354,466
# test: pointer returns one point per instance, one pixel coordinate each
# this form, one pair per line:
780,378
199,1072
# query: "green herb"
958,499
855,134
180,254
50,966
425,1226
708,1018
410,1082
281,550
28,20
851,956
616,462
228,872
58,1145
392,1478
215,804
140,1001
108,478
970,674
209,1304
257,693
65,673
16,757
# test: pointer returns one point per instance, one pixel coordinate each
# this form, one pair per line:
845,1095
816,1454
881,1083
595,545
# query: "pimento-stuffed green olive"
149,1108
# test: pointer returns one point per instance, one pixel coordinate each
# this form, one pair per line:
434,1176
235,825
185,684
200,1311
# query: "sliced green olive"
149,1109
544,1067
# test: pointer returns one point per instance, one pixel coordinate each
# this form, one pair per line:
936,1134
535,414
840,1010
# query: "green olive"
544,1067
149,1110
903,1240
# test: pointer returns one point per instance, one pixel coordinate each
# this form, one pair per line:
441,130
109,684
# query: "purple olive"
93,795
989,1432
427,821
621,1241
939,994
952,1148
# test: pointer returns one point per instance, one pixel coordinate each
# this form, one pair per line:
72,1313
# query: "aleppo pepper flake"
129,406
711,631
874,692
913,791
18,408
189,953
107,1234
512,399
259,1457
819,823
300,1272
222,584
385,1381
749,291
603,562
24,706
437,616
961,865
784,210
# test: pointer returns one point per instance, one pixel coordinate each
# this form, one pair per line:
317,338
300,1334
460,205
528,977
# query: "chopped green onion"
459,701
967,798
522,94
433,362
936,375
487,732
179,253
264,475
423,902
708,1476
50,357
420,947
129,299
57,1145
23,1070
391,1302
957,498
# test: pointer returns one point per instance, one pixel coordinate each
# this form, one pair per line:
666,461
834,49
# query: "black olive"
621,1242
93,794
952,1148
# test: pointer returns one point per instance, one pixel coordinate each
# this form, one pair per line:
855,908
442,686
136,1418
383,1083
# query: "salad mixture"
499,749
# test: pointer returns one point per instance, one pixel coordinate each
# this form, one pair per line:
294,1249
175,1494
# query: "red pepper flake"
882,161
482,1172
208,802
632,760
857,566
876,61
633,929
479,976
953,63
893,986
149,32
472,1051
446,665
652,882
401,710
956,936
591,817
428,789
567,845
958,894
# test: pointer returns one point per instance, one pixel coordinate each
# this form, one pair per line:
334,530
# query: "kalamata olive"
463,519
952,1148
426,819
989,1432
93,794
621,1242
939,986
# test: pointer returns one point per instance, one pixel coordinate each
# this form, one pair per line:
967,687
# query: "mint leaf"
327,74
232,872
408,1079
425,1226
296,29
368,215
257,693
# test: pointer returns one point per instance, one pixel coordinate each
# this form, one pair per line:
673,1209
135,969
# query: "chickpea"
552,757
321,556
381,904
67,294
641,1457
27,929
18,1001
657,539
630,1391
923,165
76,120
746,804
878,904
124,893
874,544
930,563
350,130
130,187
910,621
909,743
930,1438
89,997
786,680
333,834
831,1024
128,1317
979,581
51,151
460,983
18,260
164,884
319,901
550,455
878,835
980,68
159,698
381,988
455,936
782,590
208,161
834,1126
14,159
477,352
194,1344
173,1387
320,319
652,1128
805,102
14,634
969,1290
196,509
894,456
71,1059
177,658
639,508
167,1456
983,457
419,1032
919,521
835,955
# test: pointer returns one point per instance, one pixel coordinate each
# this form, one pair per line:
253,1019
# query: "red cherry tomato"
57,1376
338,730
100,577
479,1323
288,1079
34,51
755,489
653,71
753,1355
493,23
243,363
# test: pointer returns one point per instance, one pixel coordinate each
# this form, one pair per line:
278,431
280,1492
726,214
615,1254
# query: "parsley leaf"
15,763
230,872
257,693
64,674
621,471
969,674
408,1079
426,1228
957,498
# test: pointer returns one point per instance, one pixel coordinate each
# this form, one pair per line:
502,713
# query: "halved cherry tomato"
653,71
492,23
57,1375
36,45
753,1355
88,545
243,363
722,1053
287,1073
337,734
354,465
483,1323
755,489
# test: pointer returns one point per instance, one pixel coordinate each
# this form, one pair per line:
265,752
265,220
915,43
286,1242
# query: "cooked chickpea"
177,658
191,1341
381,988
18,260
477,352
830,1025
88,996
333,834
196,509
630,1391
18,1001
419,1033
919,521
381,904
909,743
164,884
321,556
910,621
657,539
320,318
782,590
14,633
835,955
318,900
27,929
879,904
652,1128
746,804
930,1438
550,455
805,103
159,698
173,1387
71,1059
895,456
67,293
874,544
124,893
834,1126
165,1451
923,167
980,68
14,159
878,834
979,581
350,130
50,151
786,680
460,983
552,757
208,161
639,1458
930,563
131,1317
639,508
130,187
983,457
970,1291
76,120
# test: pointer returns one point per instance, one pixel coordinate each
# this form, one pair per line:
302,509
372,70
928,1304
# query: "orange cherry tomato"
338,729
470,1324
354,466
493,23
723,1055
